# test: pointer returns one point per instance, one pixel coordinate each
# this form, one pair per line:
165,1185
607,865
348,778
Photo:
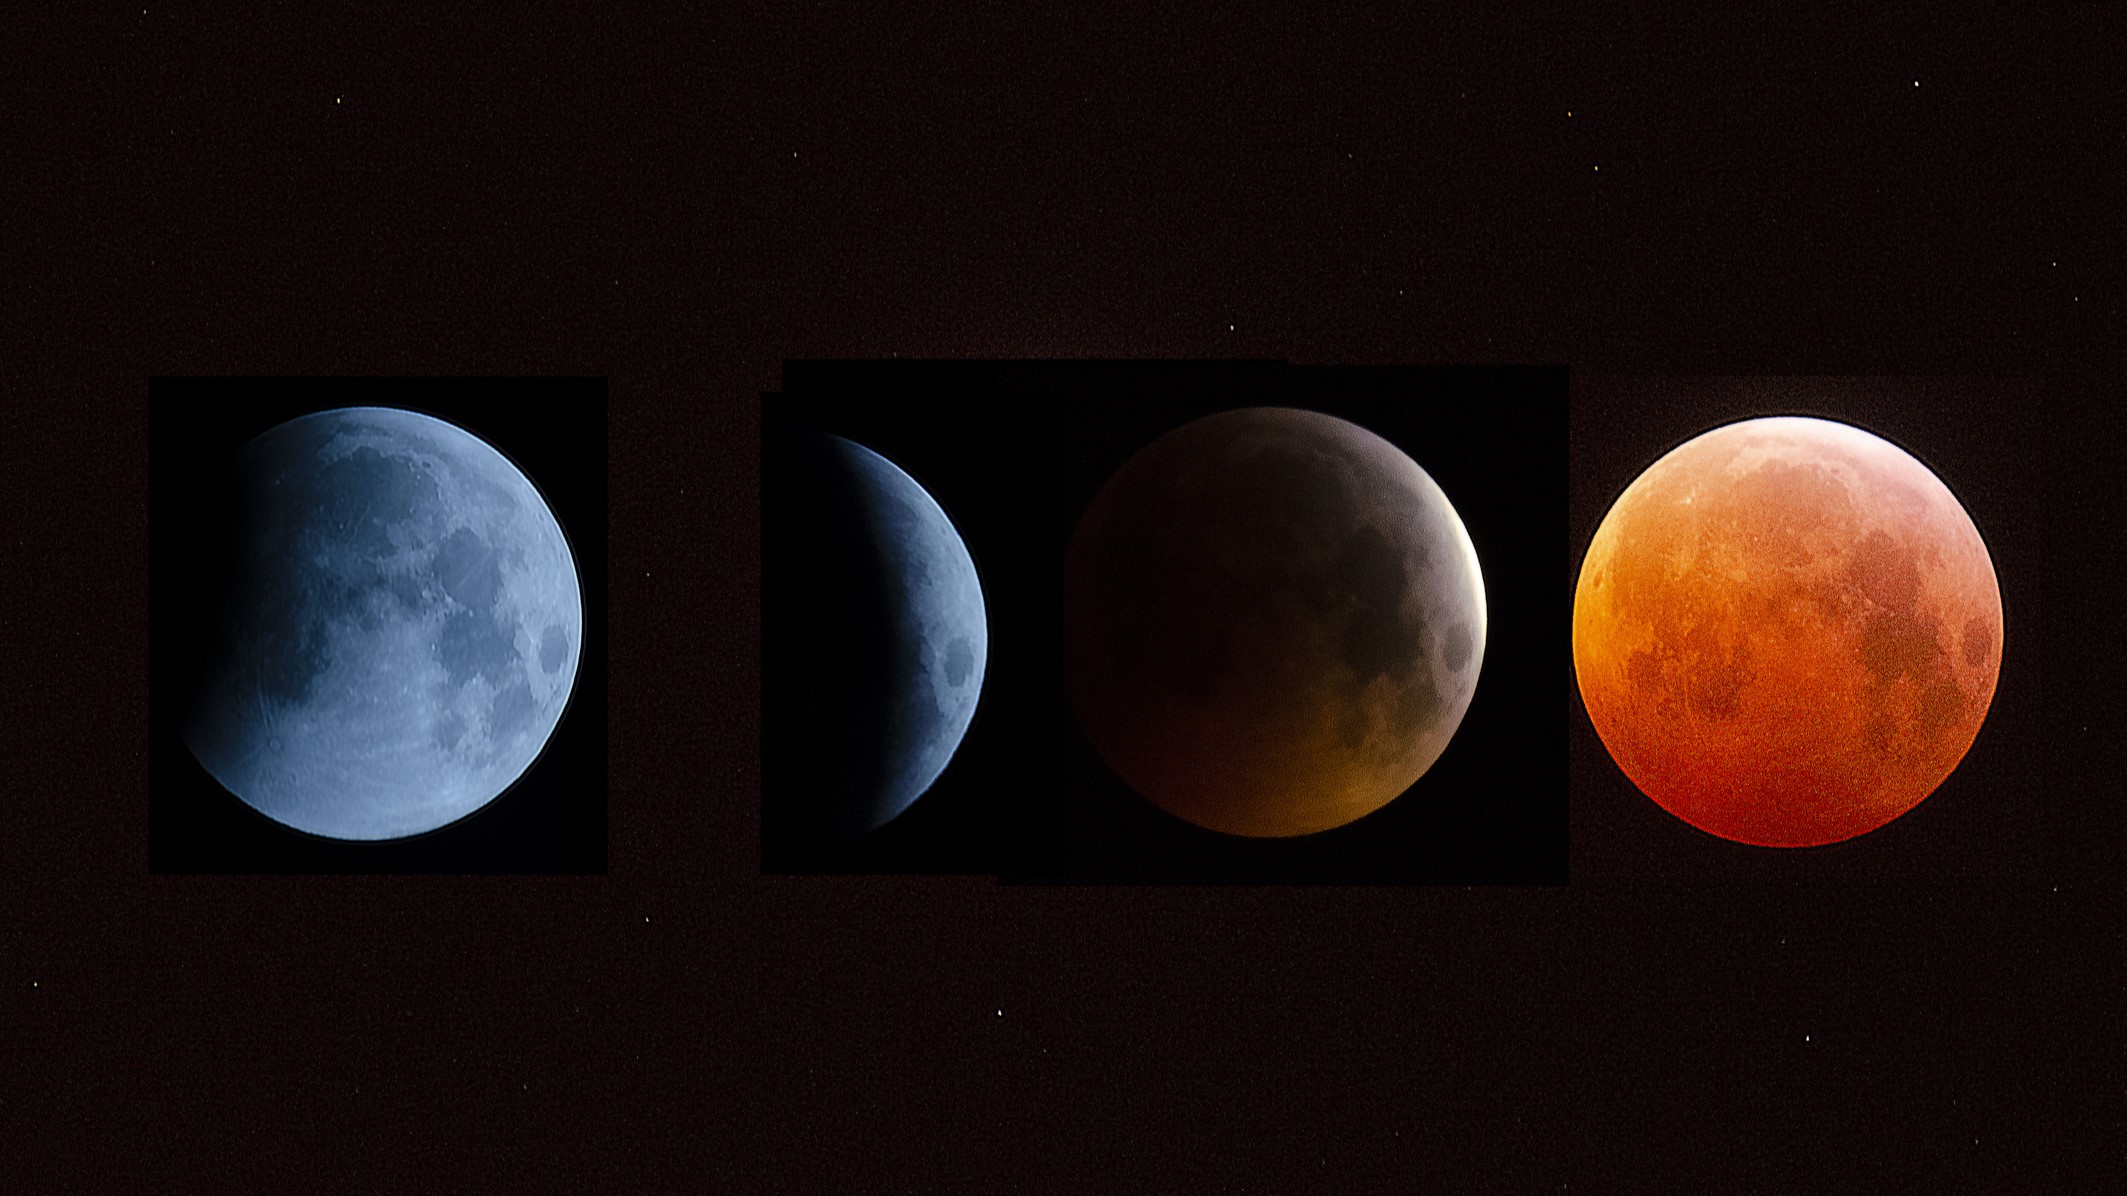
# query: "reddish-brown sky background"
682,202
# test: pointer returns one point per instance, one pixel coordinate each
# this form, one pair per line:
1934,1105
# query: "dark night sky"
683,202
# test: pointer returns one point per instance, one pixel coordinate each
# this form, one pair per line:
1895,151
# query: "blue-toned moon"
875,640
400,632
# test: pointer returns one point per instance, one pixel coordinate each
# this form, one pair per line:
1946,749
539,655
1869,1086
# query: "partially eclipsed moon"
875,639
1787,632
1274,622
401,634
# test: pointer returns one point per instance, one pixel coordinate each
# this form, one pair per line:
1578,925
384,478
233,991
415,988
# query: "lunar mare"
401,634
1787,632
1274,622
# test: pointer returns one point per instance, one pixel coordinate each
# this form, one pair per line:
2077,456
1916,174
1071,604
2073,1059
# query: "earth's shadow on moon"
551,819
1015,451
1984,440
874,638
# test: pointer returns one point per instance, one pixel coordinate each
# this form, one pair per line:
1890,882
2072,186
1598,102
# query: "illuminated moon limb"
1787,632
878,637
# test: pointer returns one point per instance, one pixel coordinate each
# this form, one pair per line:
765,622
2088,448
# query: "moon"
874,645
398,634
1274,622
1787,632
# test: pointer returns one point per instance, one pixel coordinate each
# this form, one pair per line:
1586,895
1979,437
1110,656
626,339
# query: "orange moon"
1787,632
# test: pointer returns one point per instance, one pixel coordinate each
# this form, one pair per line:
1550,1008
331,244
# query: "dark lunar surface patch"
1717,674
1456,646
1941,705
917,718
467,569
1894,646
1978,641
1884,573
553,649
471,644
510,711
959,661
1876,734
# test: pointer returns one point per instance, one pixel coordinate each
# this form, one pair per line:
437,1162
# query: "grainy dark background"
681,202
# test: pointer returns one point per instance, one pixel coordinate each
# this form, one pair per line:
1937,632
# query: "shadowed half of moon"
874,640
1274,621
1787,632
397,627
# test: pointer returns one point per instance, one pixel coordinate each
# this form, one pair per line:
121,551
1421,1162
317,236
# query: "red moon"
1787,632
